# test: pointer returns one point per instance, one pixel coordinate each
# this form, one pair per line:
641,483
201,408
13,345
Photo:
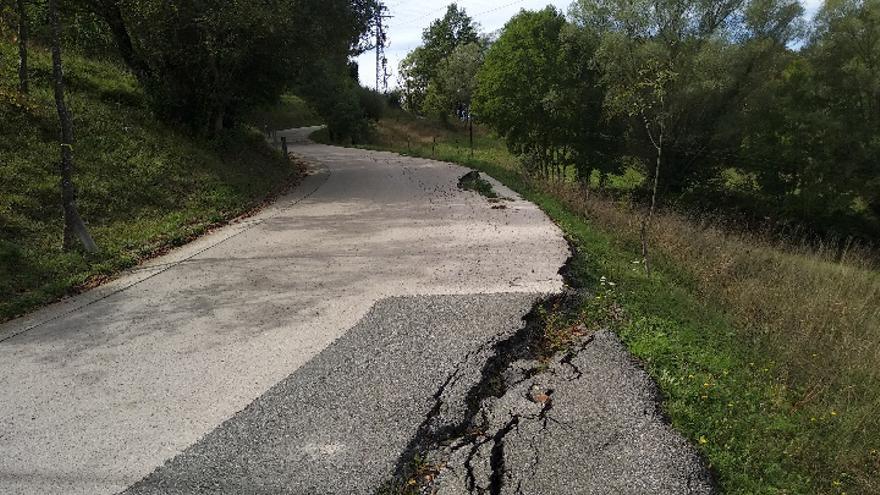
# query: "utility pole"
381,44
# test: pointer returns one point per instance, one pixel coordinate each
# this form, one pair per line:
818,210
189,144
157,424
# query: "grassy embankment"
766,352
143,186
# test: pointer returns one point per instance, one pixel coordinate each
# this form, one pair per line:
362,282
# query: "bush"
373,103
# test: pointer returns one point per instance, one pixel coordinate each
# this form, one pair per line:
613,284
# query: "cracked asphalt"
588,423
338,424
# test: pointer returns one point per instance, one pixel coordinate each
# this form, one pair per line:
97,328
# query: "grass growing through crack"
766,352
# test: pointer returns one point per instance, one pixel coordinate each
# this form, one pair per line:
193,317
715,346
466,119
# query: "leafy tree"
708,55
439,41
845,54
451,90
810,138
336,96
547,114
522,105
205,63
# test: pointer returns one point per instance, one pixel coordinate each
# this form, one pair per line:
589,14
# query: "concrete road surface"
100,390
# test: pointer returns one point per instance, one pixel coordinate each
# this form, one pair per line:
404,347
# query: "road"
299,348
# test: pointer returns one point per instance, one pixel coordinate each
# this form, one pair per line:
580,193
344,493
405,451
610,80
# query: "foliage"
550,112
439,41
206,64
373,103
451,90
291,112
813,139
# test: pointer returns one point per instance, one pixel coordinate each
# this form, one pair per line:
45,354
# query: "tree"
110,11
73,223
539,111
718,52
444,35
643,95
844,53
206,63
22,46
810,138
451,91
439,41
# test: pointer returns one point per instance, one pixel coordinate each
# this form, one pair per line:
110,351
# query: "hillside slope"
143,185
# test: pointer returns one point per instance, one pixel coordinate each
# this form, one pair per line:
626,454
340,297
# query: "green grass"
732,329
143,186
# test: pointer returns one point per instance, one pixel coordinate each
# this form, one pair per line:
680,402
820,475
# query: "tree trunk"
23,36
73,224
646,222
219,117
111,13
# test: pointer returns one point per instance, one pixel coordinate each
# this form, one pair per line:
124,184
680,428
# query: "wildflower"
703,440
833,412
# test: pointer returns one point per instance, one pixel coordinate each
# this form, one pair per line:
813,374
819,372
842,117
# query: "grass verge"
143,186
766,353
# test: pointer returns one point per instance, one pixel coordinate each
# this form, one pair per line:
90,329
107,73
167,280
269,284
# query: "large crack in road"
587,422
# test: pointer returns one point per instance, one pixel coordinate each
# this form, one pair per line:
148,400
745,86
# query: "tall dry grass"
814,308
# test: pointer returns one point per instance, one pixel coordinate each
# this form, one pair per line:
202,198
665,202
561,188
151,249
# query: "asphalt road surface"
98,391
322,346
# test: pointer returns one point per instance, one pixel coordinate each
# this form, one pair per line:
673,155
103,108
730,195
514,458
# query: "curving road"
298,349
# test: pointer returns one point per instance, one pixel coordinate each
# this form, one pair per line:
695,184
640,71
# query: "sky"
411,17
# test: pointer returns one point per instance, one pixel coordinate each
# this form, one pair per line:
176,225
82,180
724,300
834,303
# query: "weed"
473,182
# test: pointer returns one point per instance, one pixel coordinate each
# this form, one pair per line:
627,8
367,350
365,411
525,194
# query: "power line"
495,9
381,43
